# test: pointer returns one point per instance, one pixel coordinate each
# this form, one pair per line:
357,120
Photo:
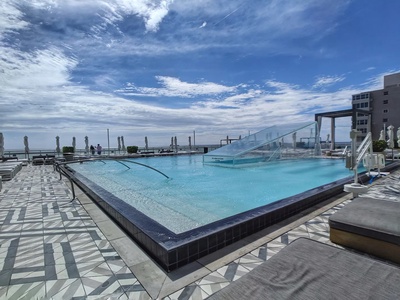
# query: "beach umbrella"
398,137
86,144
26,144
176,144
58,150
382,136
327,139
119,143
294,139
146,143
123,144
74,143
1,144
390,133
190,142
172,142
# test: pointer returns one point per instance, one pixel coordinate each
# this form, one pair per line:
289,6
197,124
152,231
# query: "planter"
68,153
132,149
68,156
379,146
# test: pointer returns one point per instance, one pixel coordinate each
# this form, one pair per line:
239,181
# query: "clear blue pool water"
198,194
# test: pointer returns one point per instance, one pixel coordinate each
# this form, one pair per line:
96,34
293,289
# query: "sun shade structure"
269,144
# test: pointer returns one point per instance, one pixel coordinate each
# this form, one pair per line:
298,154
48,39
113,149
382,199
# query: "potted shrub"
379,146
68,153
132,149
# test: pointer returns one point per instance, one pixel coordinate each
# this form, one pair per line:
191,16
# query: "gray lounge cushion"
374,218
308,270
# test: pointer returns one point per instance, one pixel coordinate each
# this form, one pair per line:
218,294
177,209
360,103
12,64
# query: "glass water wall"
299,140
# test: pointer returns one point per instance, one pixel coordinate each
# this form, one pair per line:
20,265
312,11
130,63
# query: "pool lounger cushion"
308,269
368,225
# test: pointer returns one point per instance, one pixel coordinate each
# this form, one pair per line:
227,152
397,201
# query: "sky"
163,68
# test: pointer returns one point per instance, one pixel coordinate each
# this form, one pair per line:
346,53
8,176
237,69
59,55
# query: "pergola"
341,114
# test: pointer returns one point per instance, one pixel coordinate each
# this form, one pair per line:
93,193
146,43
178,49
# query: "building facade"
382,108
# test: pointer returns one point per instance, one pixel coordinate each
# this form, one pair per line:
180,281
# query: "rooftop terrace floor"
52,247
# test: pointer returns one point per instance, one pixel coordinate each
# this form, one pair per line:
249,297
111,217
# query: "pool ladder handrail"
119,160
62,171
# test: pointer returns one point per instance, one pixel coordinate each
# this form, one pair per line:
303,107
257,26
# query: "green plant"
132,149
379,146
68,149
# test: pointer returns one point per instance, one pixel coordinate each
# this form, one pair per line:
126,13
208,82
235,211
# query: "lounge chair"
38,160
369,225
308,269
7,172
9,169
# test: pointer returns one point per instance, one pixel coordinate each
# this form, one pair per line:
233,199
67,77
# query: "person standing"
92,149
99,148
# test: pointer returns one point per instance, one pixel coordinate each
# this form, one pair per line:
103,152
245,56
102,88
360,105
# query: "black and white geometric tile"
51,249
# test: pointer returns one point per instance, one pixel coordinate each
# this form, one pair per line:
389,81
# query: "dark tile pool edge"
173,251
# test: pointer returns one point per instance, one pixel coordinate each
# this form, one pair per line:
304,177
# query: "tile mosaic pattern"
316,229
50,248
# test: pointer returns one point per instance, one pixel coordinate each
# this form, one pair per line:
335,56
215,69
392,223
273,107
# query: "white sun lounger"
9,169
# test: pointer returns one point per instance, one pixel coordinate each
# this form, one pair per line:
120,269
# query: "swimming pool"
203,208
197,194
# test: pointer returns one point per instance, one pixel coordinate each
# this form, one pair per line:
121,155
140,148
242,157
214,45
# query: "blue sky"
167,68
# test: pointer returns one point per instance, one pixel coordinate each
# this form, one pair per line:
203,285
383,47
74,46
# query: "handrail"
62,172
363,151
363,148
344,151
365,140
113,159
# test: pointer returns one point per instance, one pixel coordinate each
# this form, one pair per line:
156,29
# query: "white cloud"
152,12
369,69
39,69
324,81
39,98
10,18
70,110
174,87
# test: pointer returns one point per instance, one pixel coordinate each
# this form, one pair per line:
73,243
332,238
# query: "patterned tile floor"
50,248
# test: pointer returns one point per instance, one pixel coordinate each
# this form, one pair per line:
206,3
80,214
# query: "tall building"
382,108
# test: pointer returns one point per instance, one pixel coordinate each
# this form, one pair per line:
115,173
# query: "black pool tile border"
172,250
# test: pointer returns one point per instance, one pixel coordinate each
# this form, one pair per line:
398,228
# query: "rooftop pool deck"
53,247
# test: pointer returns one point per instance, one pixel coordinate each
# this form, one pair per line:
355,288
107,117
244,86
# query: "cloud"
174,87
325,81
369,69
63,63
35,70
10,18
203,25
152,12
